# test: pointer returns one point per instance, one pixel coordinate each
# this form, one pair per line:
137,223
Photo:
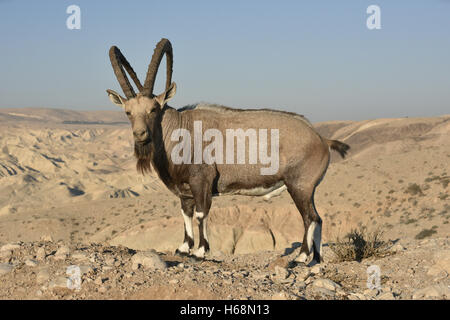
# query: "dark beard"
143,154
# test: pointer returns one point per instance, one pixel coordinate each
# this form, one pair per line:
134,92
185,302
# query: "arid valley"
70,195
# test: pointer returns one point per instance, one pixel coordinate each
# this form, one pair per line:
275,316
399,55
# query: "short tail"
338,146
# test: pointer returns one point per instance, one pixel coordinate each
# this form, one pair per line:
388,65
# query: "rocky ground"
69,195
39,270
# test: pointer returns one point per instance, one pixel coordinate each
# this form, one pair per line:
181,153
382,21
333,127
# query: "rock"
5,268
280,296
5,254
100,280
46,238
103,289
442,264
303,274
84,269
62,253
40,254
281,273
324,291
79,256
371,292
42,276
31,262
149,260
58,283
398,248
10,247
386,296
317,269
439,291
326,284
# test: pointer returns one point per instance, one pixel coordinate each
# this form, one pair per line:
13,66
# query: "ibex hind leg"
312,239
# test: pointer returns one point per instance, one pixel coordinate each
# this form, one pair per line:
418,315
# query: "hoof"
181,253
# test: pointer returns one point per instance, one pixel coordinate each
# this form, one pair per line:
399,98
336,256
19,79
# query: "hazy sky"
316,58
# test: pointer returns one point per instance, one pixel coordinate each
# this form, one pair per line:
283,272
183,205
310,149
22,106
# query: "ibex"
303,154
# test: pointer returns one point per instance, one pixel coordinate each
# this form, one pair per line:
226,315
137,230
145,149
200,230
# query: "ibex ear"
167,95
116,98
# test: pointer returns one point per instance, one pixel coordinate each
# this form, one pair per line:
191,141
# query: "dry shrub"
360,244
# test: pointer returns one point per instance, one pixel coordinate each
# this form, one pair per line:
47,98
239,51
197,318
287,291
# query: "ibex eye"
128,113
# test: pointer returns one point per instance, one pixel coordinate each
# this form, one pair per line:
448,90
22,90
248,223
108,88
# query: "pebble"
303,275
46,238
62,253
5,254
79,256
31,262
5,268
317,269
40,254
386,296
58,283
281,273
326,284
43,275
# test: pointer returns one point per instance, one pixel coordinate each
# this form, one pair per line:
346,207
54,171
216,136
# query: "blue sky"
315,58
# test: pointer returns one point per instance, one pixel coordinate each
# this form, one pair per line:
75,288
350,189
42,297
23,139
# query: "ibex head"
143,109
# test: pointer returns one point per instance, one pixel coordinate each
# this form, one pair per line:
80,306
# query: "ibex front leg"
187,210
202,196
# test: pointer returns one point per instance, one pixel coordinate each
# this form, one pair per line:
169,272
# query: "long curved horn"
118,61
163,47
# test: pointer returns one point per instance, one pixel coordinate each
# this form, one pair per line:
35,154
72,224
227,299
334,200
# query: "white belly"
268,192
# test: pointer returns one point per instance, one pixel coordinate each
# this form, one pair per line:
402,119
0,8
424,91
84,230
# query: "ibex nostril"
140,134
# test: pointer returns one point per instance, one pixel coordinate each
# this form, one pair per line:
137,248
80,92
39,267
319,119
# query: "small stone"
58,283
174,281
326,284
280,296
40,254
303,275
10,247
84,269
386,296
438,291
31,262
281,273
100,280
46,238
5,254
79,256
62,253
371,292
398,248
43,275
317,269
5,268
324,291
148,259
102,289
